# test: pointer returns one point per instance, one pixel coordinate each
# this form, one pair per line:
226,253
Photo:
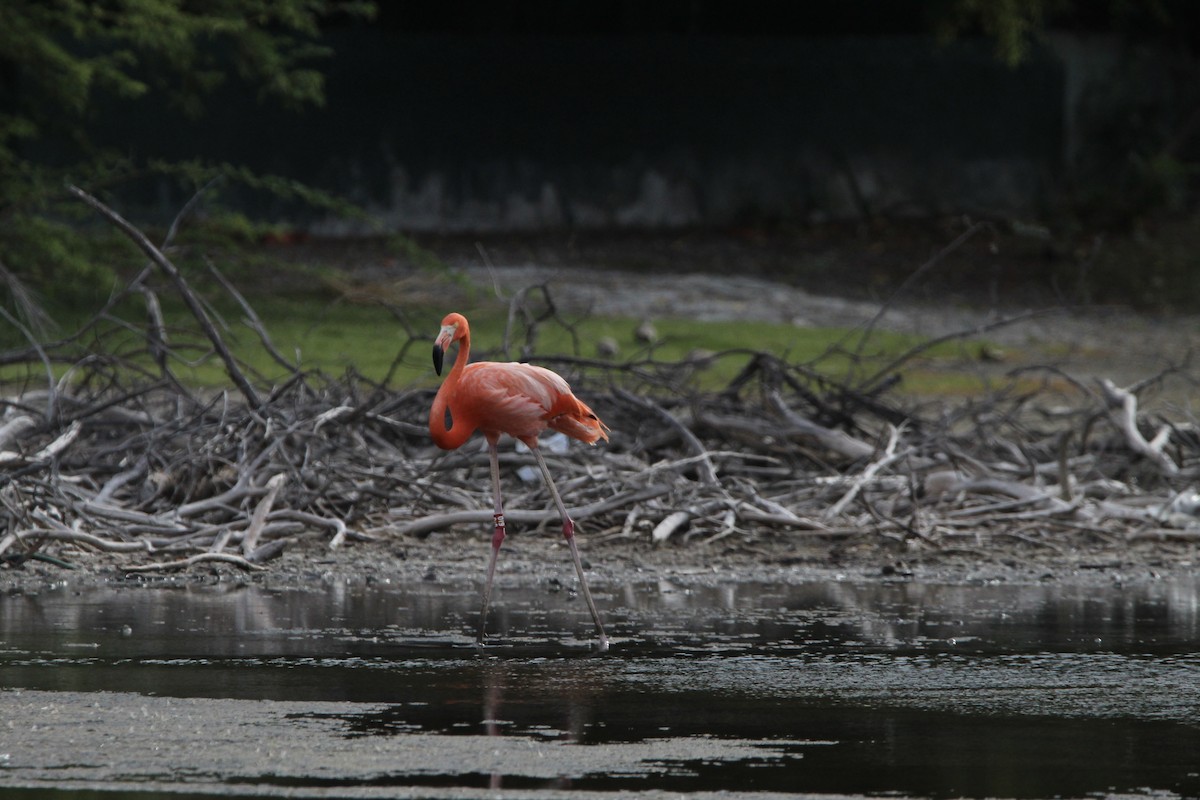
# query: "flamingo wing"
523,400
517,399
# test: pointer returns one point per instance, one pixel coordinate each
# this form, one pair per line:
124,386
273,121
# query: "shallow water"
830,687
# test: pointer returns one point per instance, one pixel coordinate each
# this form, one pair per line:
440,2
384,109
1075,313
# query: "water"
831,687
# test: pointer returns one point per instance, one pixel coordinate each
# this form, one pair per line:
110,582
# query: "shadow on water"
838,687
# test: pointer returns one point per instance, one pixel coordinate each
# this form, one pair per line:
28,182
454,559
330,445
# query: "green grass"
333,336
320,330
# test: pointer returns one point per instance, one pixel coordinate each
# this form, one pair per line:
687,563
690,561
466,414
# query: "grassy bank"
316,319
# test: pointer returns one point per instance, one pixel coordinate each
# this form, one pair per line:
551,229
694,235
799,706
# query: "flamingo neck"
456,434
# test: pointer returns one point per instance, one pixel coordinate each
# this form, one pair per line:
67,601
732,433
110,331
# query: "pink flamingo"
521,400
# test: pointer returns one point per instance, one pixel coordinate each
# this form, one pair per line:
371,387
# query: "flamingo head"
454,327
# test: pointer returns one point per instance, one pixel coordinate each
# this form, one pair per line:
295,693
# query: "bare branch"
185,292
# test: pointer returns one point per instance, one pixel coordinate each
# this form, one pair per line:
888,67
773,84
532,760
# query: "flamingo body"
520,400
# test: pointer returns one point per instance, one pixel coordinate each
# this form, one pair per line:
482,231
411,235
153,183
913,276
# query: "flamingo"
520,400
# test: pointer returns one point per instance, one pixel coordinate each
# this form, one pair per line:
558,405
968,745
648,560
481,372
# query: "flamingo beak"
443,340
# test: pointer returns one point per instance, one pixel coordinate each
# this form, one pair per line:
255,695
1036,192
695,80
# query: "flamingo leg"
497,536
569,535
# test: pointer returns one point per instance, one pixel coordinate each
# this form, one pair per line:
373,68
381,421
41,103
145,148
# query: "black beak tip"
437,359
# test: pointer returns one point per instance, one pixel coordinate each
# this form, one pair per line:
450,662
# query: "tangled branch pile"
120,456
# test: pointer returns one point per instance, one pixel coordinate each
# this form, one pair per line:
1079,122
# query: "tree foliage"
1015,26
61,59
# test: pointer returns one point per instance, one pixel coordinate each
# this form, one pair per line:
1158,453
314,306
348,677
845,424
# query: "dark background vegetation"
870,126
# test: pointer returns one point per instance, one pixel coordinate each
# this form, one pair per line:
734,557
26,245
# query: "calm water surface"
378,691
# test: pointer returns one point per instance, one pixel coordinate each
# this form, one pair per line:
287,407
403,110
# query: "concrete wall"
527,132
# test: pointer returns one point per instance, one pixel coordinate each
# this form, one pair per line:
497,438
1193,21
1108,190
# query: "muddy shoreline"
457,558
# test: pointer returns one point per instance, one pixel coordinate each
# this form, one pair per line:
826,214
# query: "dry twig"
120,458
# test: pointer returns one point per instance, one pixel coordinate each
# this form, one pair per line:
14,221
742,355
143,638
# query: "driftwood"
121,457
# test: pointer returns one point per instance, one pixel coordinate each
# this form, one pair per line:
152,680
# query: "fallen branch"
47,453
890,456
669,524
181,285
708,472
835,441
250,538
425,525
1126,420
199,558
75,537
